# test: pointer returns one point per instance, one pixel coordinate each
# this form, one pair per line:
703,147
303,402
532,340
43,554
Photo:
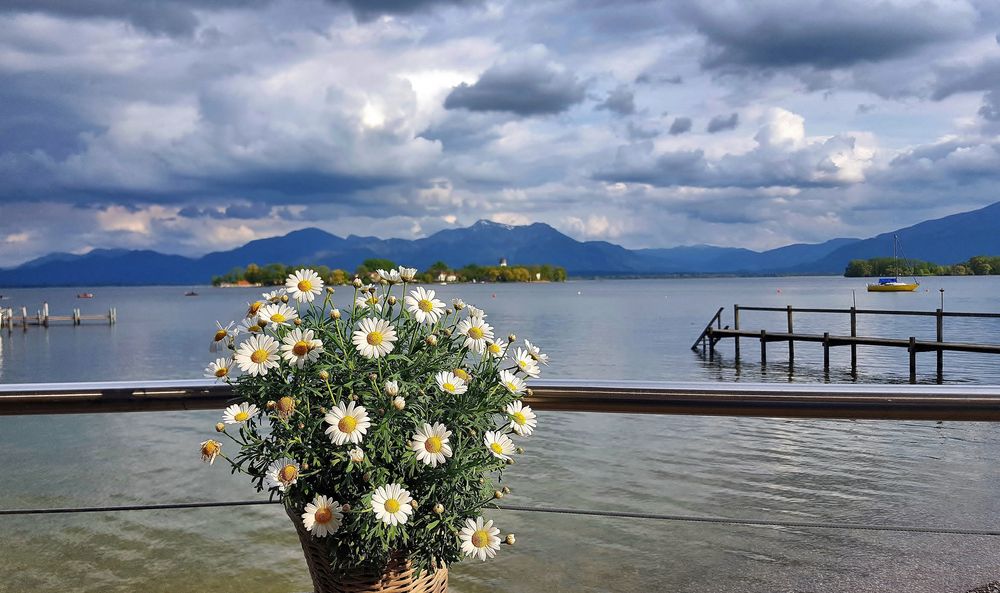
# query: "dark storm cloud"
366,10
620,101
819,33
723,122
646,78
521,87
680,125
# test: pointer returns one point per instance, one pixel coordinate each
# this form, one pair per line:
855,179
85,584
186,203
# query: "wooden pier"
714,332
9,318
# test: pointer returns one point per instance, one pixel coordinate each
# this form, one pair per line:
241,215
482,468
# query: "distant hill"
946,240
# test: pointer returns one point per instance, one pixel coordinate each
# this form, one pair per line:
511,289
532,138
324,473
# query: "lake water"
875,472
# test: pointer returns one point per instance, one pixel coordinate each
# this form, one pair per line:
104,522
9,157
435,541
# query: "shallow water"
852,471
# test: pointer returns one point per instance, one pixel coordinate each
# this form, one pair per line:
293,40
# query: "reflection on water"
812,470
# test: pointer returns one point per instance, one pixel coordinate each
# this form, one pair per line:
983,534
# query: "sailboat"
893,284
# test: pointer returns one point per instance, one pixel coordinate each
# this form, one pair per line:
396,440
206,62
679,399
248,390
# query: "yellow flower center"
480,538
392,505
433,444
512,386
241,416
254,307
221,372
254,328
260,356
494,348
210,448
372,300
305,286
278,318
288,473
425,305
301,348
323,515
449,387
519,418
497,448
347,424
461,374
220,335
475,333
375,338
522,363
285,405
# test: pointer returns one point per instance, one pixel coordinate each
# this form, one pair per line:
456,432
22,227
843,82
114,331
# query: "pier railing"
714,332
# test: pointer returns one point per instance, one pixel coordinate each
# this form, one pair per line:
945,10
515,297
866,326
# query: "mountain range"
945,240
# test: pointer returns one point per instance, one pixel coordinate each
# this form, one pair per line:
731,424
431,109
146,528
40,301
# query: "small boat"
892,284
85,295
190,293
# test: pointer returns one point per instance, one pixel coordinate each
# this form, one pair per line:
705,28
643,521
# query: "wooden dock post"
45,314
940,352
913,359
24,317
826,353
736,326
112,316
763,347
854,347
791,343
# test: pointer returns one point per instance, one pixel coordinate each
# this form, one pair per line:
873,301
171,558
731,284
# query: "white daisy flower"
239,413
448,382
322,516
304,285
257,354
391,276
275,295
221,334
250,325
374,338
477,333
522,418
356,455
210,450
477,312
459,304
407,274
369,301
499,444
526,363
300,347
281,474
496,349
536,353
480,539
391,388
512,382
277,313
430,443
347,423
424,307
391,504
219,369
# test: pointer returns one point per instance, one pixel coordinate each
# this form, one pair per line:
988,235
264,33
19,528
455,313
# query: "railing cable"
553,510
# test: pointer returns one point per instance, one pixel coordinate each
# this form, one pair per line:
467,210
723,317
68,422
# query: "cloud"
522,86
681,125
721,123
620,101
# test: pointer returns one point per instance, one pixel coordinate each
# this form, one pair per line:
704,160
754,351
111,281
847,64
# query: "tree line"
275,274
980,265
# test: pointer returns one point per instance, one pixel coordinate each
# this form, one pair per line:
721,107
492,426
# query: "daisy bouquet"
384,426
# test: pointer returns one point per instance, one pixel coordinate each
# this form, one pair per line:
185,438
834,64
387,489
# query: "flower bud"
305,465
284,298
398,402
373,376
301,426
447,312
391,388
357,455
270,404
285,407
431,340
357,283
346,507
220,427
414,504
509,461
324,376
509,540
497,494
297,322
511,338
330,290
530,392
352,397
505,489
438,508
335,314
392,300
459,304
447,332
520,450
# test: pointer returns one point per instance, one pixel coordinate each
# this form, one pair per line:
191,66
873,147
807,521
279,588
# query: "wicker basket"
399,576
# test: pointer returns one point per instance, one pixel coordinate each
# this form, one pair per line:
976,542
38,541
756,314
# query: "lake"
874,472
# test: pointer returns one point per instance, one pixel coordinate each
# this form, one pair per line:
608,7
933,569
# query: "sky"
193,126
